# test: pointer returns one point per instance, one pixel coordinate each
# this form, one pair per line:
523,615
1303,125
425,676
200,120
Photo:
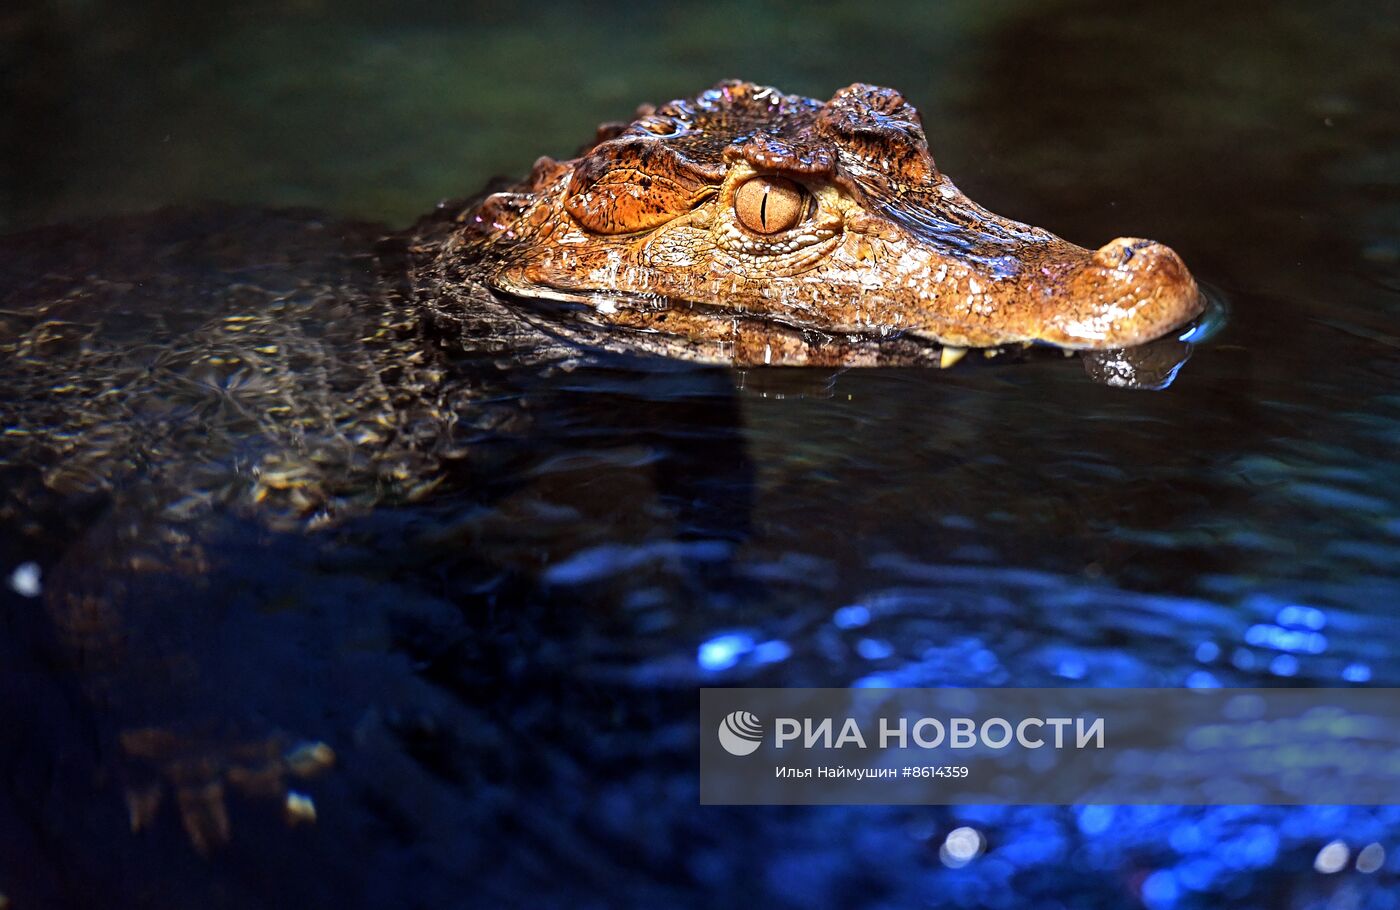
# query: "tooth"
950,356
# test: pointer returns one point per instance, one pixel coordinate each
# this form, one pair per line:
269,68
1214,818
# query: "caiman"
277,356
294,371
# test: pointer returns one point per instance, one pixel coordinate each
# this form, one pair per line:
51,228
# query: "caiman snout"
1130,291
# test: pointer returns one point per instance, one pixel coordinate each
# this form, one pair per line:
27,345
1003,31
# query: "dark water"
508,675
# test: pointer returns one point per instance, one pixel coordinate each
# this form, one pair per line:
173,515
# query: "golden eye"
767,205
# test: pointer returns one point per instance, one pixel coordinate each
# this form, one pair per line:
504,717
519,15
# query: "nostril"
1133,254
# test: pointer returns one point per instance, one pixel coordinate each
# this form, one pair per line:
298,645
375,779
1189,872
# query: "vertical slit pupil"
763,209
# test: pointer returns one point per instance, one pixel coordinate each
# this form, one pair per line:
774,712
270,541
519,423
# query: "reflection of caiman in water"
276,369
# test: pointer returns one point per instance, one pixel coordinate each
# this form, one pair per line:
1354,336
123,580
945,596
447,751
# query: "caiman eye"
767,205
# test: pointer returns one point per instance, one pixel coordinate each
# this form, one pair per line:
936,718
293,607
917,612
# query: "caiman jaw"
1128,292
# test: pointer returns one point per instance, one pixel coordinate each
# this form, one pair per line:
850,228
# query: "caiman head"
748,223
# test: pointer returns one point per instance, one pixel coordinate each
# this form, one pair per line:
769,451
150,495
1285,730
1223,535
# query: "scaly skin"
642,228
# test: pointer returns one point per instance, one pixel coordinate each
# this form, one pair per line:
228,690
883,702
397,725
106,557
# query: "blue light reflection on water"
724,651
1183,854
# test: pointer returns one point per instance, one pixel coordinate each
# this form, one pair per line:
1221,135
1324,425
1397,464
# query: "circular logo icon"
740,733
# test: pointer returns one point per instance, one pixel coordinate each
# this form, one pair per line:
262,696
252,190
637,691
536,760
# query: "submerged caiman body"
290,372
